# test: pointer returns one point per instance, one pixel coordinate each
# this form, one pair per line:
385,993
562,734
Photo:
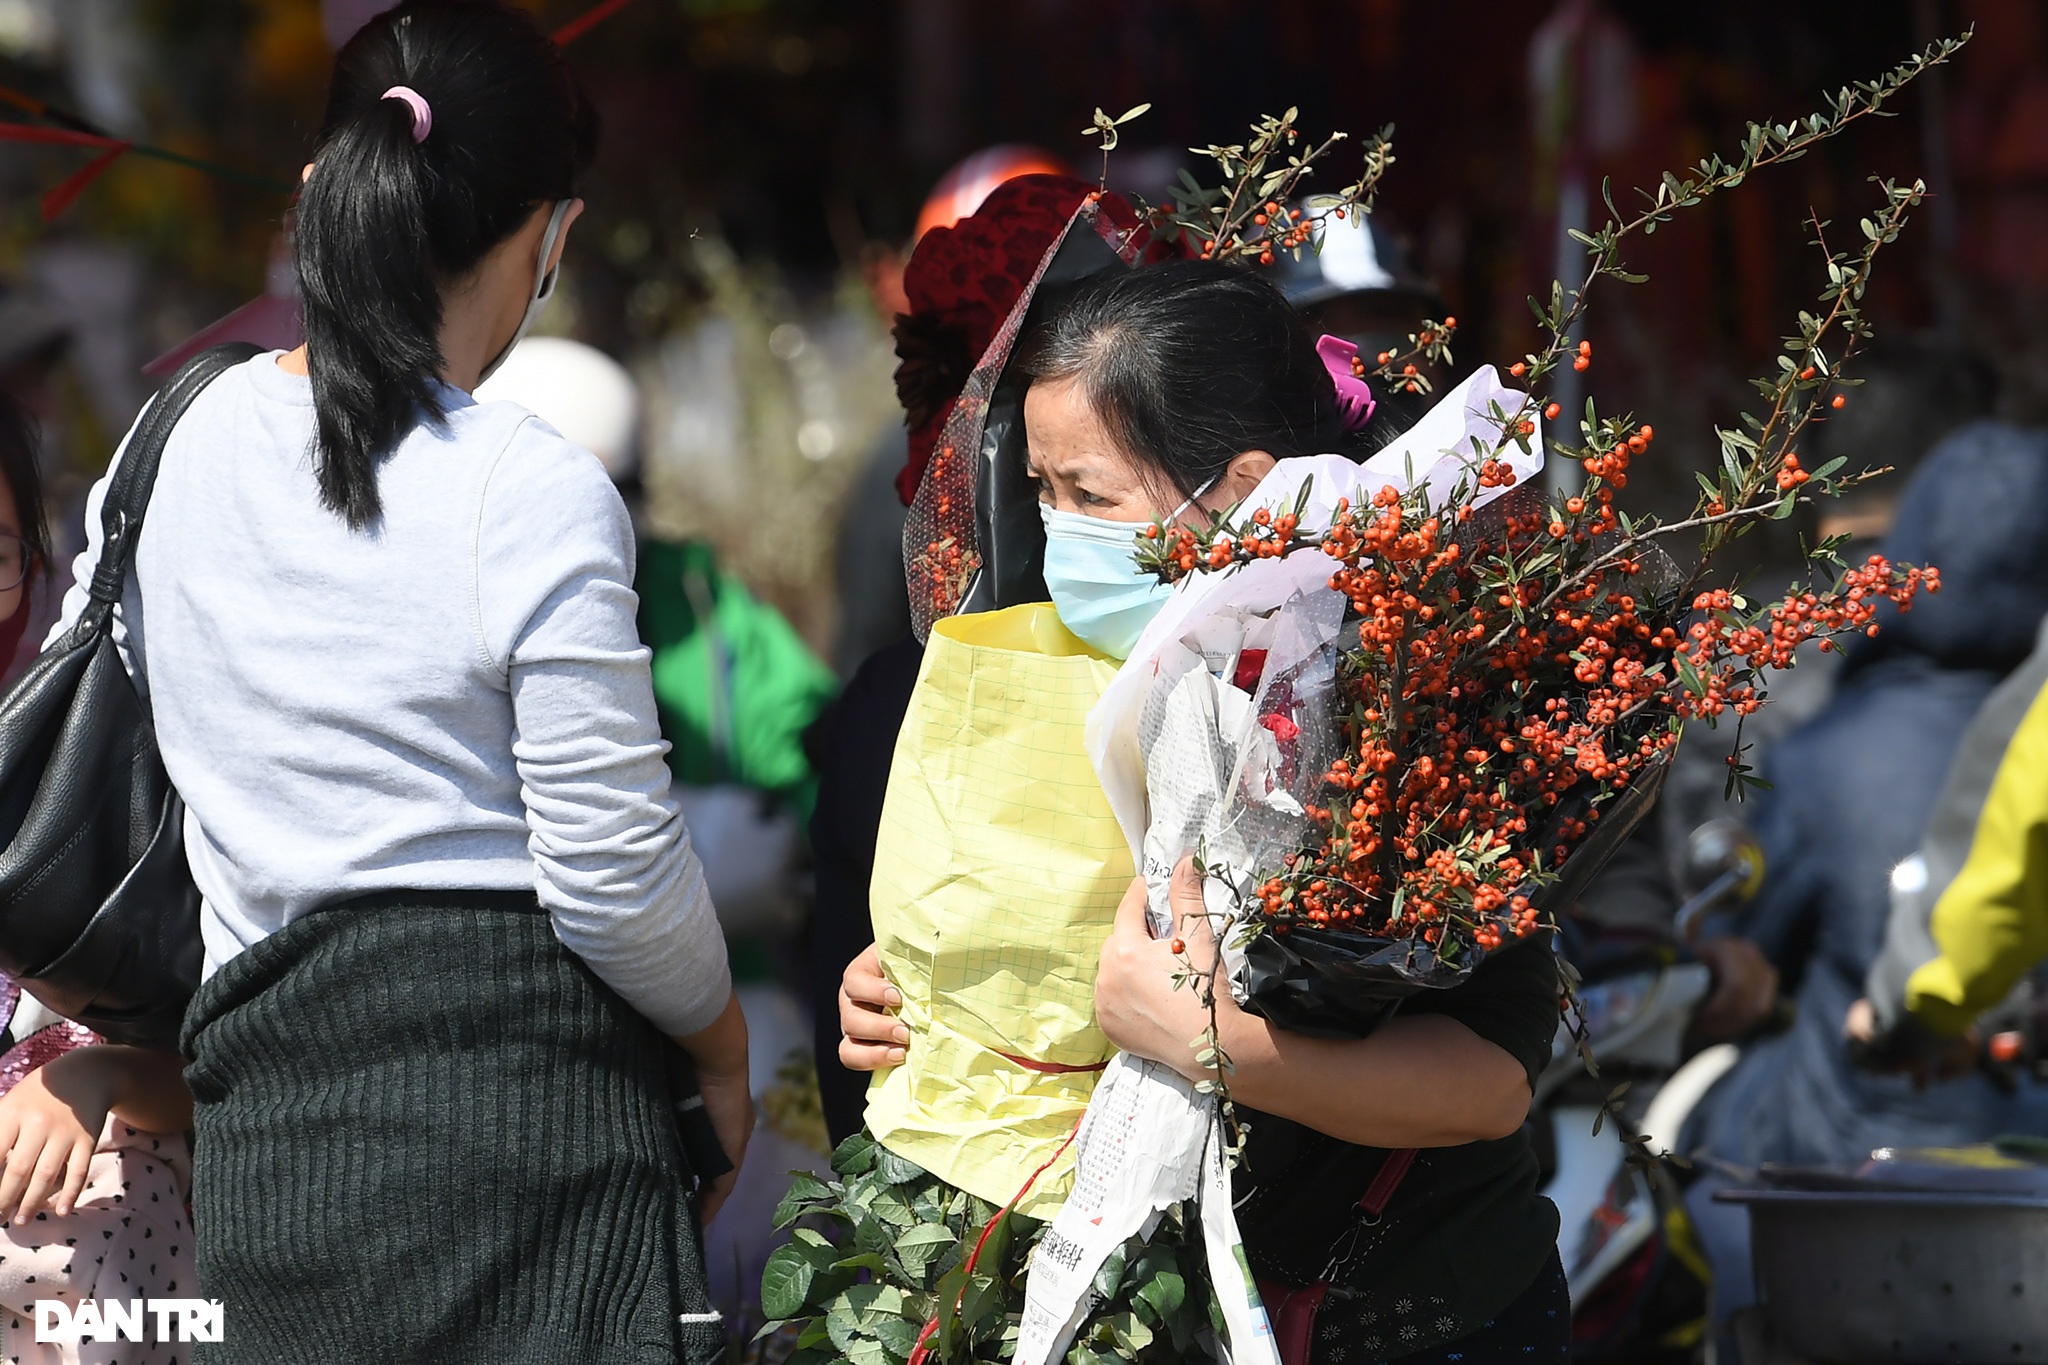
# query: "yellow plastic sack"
997,875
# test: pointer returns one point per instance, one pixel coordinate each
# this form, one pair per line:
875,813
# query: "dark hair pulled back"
23,473
384,222
1190,364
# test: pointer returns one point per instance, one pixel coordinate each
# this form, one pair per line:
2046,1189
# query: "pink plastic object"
1354,395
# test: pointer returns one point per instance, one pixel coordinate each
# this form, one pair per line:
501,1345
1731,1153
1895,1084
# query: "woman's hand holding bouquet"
1382,1091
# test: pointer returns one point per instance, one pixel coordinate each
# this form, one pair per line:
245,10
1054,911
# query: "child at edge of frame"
95,1170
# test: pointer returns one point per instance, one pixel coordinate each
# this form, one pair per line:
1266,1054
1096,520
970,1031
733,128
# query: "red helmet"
963,189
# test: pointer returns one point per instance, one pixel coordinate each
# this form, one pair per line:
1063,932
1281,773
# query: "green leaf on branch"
868,1351
895,1169
891,1207
899,1335
872,1262
921,1246
804,1191
981,1304
787,1279
856,1155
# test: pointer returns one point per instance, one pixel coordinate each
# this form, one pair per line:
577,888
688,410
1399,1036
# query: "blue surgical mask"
1097,587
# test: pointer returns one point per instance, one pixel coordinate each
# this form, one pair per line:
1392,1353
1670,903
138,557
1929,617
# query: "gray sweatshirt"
456,698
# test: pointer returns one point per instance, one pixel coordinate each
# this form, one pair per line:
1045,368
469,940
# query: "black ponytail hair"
384,222
1190,364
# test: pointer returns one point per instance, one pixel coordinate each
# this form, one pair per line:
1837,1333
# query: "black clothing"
1467,1231
426,1131
874,601
1536,1327
850,746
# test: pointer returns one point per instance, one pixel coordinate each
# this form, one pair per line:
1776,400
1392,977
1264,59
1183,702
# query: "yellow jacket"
1983,865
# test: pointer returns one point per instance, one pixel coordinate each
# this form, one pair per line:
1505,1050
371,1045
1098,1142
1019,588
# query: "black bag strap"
135,478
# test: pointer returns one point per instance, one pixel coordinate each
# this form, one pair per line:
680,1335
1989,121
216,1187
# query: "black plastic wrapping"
1618,819
1329,984
1008,525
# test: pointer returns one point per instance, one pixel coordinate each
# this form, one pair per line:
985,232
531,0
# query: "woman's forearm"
1425,1081
143,1088
720,1048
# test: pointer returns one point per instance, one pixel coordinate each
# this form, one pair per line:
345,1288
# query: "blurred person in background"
1854,787
1969,917
874,604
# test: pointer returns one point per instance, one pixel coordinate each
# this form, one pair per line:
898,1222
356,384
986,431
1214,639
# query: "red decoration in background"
73,131
76,132
59,199
965,279
588,20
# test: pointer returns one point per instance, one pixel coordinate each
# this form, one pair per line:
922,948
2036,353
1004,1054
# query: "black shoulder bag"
99,918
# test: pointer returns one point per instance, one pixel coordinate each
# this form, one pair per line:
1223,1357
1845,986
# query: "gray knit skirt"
426,1132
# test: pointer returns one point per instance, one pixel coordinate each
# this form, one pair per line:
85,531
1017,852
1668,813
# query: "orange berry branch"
1764,144
1429,344
1257,212
1517,668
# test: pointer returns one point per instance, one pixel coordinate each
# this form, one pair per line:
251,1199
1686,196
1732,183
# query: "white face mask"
544,282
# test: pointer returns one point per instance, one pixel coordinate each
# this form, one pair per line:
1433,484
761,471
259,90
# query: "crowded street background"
721,338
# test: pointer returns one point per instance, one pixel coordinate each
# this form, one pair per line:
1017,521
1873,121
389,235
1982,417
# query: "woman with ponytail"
464,988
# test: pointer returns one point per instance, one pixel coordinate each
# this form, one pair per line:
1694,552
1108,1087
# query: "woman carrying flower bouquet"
1180,386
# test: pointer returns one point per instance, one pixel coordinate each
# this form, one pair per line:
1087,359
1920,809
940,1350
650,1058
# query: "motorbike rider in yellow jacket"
1970,909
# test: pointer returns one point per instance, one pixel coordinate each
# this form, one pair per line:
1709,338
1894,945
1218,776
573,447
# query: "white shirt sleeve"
557,616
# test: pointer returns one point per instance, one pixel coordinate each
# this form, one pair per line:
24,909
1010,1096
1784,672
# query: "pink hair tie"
422,112
1354,396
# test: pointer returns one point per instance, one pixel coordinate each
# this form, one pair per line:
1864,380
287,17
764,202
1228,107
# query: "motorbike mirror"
1718,848
1723,863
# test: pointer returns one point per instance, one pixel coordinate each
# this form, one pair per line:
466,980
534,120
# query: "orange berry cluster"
1582,360
1770,639
1408,377
1264,536
1285,228
1510,676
